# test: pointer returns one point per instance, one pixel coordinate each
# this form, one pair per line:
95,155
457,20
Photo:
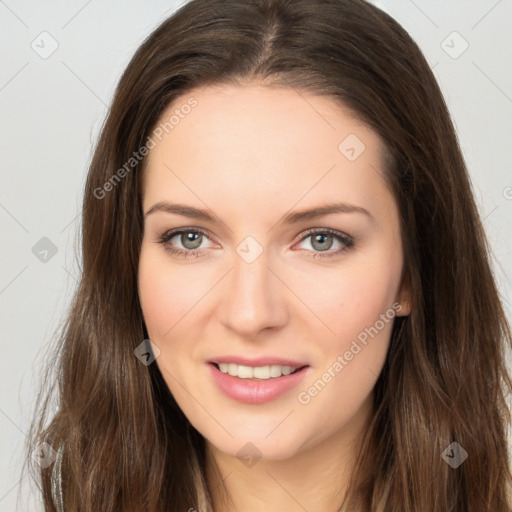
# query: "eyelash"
346,240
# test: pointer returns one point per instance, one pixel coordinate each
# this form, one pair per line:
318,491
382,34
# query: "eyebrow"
291,218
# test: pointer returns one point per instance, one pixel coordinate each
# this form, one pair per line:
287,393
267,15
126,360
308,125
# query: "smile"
256,384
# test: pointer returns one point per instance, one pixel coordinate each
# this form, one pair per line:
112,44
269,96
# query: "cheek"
360,312
354,298
155,299
352,359
165,292
165,300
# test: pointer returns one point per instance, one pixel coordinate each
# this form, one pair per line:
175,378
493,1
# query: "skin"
252,154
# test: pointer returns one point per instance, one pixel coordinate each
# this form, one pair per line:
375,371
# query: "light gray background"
51,110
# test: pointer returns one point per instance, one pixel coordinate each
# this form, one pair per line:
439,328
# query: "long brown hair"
121,441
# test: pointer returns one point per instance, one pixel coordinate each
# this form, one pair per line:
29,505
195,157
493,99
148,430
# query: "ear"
403,300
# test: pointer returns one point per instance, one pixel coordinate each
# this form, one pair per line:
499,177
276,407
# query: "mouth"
256,384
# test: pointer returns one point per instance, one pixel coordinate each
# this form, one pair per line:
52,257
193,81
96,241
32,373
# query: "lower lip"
251,391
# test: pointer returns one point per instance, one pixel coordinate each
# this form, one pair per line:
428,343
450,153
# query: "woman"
286,299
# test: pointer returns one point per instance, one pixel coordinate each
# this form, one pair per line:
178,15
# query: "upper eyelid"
171,233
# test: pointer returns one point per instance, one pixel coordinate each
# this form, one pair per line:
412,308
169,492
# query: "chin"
259,447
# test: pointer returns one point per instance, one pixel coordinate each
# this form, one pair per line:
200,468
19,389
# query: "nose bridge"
254,298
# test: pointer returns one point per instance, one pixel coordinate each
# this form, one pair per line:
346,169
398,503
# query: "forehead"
263,145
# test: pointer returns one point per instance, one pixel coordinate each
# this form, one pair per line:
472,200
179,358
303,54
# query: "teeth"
257,372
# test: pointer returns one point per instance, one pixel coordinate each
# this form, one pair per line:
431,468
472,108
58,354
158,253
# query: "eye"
322,240
190,240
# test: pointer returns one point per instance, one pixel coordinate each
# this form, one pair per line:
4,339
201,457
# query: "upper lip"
258,361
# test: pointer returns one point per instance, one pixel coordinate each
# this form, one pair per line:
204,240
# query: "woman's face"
235,276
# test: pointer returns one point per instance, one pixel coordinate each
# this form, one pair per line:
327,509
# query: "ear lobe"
404,307
404,301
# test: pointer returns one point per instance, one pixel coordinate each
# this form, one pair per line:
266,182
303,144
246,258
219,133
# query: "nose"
253,298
